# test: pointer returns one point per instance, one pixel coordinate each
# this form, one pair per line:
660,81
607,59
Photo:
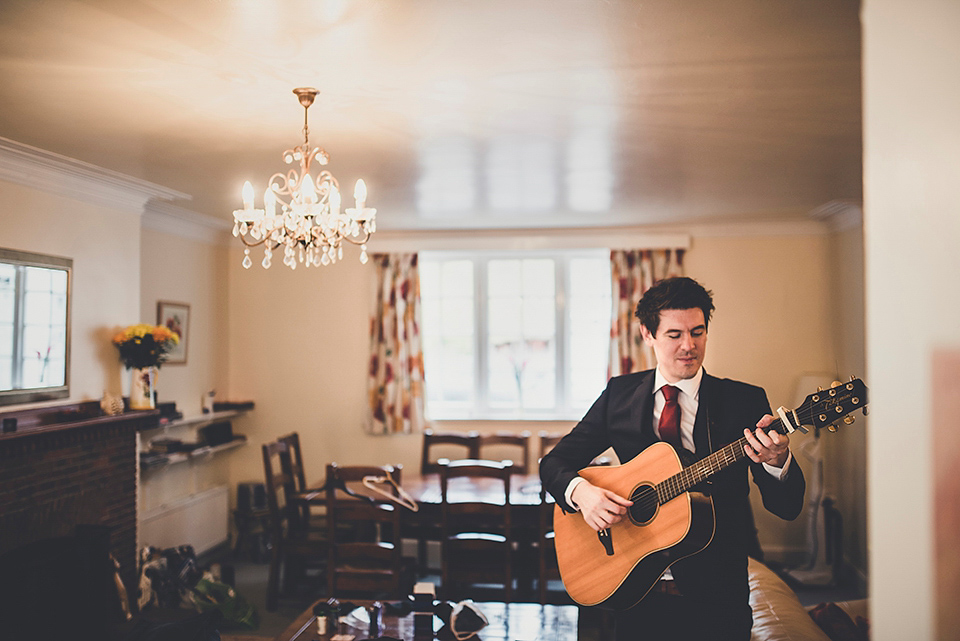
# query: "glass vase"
142,381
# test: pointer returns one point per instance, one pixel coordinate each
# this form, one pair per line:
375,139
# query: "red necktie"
670,417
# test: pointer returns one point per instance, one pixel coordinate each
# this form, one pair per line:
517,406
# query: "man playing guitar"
709,599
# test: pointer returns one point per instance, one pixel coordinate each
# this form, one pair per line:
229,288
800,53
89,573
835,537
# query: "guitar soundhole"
645,504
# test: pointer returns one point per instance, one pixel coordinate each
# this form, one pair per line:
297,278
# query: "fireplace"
67,466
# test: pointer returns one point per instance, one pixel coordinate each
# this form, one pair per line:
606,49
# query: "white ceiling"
457,113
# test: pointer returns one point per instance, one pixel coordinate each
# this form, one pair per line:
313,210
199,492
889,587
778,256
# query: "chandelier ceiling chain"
309,226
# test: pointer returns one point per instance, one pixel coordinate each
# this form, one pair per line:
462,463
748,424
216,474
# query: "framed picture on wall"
176,318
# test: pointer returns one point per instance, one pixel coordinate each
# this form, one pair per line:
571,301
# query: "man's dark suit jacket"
622,418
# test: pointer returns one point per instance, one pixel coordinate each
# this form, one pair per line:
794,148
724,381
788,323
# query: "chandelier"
301,213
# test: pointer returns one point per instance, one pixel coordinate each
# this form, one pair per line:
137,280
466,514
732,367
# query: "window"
514,334
34,322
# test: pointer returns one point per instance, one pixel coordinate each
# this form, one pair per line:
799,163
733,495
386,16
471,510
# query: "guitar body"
645,543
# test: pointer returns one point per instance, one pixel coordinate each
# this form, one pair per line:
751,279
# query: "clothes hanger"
400,496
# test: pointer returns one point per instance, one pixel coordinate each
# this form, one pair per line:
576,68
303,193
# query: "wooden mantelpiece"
67,465
55,418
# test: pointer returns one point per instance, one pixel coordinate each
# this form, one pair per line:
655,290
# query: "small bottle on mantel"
207,400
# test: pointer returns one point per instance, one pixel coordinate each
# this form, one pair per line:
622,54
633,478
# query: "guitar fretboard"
706,467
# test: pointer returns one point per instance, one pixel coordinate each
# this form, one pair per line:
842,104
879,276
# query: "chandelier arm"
243,238
358,241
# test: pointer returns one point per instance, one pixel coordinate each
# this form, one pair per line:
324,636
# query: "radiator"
200,520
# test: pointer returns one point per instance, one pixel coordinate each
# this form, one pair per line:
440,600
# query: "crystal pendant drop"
246,258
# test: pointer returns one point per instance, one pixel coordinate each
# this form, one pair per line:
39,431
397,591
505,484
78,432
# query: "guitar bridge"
606,538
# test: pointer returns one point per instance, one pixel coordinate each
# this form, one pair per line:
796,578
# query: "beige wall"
772,324
912,230
188,271
104,244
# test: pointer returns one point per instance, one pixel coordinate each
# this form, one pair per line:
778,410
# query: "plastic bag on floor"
209,595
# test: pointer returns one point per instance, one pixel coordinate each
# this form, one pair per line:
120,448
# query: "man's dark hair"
673,293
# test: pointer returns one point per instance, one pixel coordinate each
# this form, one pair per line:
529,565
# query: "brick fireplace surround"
68,465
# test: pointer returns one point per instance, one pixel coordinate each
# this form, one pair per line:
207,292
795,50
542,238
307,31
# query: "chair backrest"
465,444
278,484
365,555
516,446
295,461
347,480
485,505
547,441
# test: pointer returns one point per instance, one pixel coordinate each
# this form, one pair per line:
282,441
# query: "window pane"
456,279
6,369
446,289
589,314
503,278
522,326
37,279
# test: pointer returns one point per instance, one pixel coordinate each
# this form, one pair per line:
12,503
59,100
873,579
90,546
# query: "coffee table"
506,622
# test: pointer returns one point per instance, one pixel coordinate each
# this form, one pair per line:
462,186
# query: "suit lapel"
643,402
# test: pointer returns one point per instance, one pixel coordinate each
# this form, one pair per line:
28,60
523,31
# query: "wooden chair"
546,543
466,445
311,516
548,570
547,441
365,555
502,442
477,537
296,548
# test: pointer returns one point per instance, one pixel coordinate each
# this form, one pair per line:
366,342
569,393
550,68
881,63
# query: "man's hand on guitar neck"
600,508
770,447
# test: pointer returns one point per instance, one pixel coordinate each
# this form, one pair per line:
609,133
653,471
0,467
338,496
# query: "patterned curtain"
395,380
634,272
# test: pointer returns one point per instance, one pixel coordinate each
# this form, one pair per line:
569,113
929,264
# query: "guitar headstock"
825,407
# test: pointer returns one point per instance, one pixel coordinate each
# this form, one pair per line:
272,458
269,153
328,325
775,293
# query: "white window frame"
481,409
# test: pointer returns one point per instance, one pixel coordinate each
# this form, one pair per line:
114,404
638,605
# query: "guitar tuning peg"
848,420
819,389
853,378
832,428
865,412
836,384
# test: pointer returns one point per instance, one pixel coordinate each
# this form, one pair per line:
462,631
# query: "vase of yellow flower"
143,348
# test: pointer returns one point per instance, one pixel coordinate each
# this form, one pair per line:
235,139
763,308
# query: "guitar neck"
706,467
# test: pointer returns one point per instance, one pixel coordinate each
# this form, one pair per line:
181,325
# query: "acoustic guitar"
617,567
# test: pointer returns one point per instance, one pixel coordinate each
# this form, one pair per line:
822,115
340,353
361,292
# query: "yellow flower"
145,345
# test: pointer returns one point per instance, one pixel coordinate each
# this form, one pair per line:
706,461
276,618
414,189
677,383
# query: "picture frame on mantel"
176,318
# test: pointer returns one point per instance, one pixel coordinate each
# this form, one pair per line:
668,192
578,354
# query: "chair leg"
273,581
508,586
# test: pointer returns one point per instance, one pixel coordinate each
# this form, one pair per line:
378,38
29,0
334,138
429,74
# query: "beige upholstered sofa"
778,614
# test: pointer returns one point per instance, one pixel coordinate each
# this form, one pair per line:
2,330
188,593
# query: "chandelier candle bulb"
247,195
360,194
335,202
270,202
